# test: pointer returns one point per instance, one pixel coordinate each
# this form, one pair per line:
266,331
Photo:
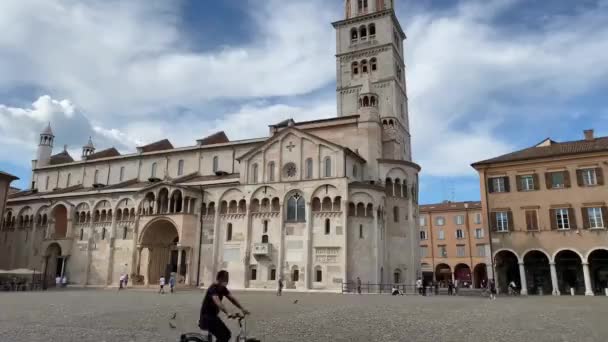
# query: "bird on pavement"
172,325
295,301
174,315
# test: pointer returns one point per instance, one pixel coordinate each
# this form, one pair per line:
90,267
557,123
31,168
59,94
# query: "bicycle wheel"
193,337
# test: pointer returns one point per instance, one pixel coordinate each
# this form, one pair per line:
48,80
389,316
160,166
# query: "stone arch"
598,268
480,275
162,206
295,206
54,265
538,272
176,201
443,273
60,219
159,238
569,269
583,259
506,263
462,273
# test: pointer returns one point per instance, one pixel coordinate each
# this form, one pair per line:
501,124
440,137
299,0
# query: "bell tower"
369,46
45,147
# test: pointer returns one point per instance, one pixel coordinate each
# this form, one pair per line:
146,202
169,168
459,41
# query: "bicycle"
240,337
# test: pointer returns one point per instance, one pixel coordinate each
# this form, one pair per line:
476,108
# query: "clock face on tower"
290,170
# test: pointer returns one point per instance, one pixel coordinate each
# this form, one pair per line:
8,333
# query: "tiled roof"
553,149
210,178
215,138
8,175
447,206
161,145
61,158
110,152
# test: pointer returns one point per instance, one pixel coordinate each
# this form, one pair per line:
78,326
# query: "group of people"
162,282
124,281
61,281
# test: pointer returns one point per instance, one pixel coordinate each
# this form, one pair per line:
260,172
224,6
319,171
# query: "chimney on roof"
588,134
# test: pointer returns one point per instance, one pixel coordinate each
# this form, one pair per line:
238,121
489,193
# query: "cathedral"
315,203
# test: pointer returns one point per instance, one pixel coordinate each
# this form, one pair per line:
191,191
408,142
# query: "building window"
253,273
595,217
396,214
318,274
364,68
423,235
443,251
460,252
265,228
295,275
68,180
424,251
498,184
422,221
229,232
271,172
527,183
327,167
481,250
563,218
459,219
373,64
273,274
355,171
459,234
354,34
296,209
327,226
477,218
309,168
215,164
153,173
103,234
255,173
124,233
441,235
81,234
531,220
502,221
180,167
556,180
355,68
588,177
360,231
121,176
372,30
440,221
479,233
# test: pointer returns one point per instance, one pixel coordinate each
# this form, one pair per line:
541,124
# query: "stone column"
138,260
588,288
32,245
496,280
111,250
281,265
554,279
216,240
179,262
147,276
308,272
188,258
522,278
376,242
344,208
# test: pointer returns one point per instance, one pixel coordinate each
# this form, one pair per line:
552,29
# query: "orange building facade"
454,243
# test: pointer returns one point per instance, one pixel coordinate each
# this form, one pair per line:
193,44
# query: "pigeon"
174,315
172,325
295,301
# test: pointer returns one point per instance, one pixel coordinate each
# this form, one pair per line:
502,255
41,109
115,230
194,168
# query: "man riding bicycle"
212,304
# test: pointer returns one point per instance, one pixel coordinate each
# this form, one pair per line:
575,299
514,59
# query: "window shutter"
536,182
599,174
572,218
579,177
567,183
605,216
528,220
507,185
534,220
548,181
490,185
519,185
493,224
510,218
586,223
553,219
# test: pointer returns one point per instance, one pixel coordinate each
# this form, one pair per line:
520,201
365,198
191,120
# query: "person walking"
121,282
58,281
161,282
450,288
126,280
456,285
172,283
419,285
492,286
436,288
358,285
280,287
64,281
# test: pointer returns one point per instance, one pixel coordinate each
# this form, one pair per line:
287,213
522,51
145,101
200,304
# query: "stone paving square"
136,315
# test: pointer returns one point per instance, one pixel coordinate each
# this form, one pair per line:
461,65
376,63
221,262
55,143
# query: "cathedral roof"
110,152
215,138
8,175
160,145
62,157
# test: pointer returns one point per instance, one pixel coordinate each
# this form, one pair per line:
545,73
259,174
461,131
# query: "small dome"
47,130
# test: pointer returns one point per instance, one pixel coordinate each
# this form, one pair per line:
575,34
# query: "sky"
485,77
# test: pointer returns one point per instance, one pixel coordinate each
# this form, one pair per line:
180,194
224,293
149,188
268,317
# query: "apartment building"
454,242
548,217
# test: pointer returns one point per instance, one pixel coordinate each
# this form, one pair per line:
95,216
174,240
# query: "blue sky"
484,77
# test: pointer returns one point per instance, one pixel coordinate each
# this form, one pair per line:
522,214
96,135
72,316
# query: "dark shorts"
216,327
162,286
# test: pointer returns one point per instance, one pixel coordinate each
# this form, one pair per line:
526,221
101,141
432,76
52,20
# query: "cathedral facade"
316,203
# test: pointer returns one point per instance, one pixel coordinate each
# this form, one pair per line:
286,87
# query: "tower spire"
355,8
88,149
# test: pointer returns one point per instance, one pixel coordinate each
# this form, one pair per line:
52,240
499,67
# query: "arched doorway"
598,269
159,251
480,275
54,264
462,273
60,217
507,269
538,272
569,269
443,274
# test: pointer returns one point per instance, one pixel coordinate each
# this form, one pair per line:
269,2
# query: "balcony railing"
262,249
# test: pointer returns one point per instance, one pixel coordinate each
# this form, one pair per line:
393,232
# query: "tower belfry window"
355,67
372,30
364,66
354,34
373,64
363,32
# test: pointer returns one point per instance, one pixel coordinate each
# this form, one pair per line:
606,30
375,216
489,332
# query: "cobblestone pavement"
135,315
